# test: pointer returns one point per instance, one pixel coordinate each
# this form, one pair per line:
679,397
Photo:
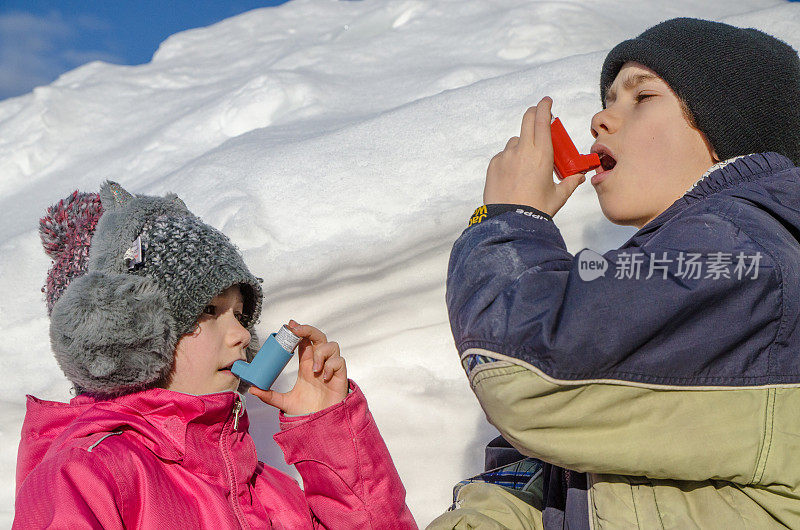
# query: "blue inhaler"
270,360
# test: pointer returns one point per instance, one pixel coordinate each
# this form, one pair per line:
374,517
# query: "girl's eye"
210,310
642,97
240,317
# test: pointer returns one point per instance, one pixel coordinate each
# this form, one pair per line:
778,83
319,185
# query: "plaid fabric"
519,475
471,361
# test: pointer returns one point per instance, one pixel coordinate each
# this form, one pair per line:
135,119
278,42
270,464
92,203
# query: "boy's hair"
741,86
122,293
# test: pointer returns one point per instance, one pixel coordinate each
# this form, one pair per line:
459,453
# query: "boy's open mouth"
607,161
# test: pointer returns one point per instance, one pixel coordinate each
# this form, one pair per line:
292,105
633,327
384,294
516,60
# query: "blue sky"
39,40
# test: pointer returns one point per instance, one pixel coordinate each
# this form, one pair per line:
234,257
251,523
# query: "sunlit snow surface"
342,146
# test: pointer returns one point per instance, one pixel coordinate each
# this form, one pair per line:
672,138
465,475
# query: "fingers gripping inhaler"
270,360
566,159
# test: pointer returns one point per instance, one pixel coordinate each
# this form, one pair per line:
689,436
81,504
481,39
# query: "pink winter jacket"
162,459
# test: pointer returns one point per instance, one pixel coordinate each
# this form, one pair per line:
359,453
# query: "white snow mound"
342,146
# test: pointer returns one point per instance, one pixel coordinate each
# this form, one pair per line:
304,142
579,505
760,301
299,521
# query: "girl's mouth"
227,371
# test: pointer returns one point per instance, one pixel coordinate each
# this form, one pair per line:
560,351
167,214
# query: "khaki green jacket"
653,457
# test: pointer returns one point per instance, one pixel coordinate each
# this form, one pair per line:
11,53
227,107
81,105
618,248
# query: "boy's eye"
240,317
210,310
642,97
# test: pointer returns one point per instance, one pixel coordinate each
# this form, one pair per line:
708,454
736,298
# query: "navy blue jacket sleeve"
513,288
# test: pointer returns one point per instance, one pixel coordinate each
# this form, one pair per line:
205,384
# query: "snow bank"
342,146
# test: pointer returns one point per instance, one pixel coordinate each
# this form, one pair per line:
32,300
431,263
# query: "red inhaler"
566,159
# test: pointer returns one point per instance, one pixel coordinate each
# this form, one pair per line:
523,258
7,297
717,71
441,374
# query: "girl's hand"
523,172
321,378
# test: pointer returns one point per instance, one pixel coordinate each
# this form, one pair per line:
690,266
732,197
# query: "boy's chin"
624,217
617,214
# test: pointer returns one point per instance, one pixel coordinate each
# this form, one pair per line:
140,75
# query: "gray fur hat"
152,267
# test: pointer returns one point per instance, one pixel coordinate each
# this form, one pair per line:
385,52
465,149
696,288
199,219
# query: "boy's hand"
321,378
523,172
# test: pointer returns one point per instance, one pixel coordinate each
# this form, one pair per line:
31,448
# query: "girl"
149,309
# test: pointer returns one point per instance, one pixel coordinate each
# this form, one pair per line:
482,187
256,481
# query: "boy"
655,386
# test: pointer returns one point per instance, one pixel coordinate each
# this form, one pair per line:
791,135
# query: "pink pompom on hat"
66,231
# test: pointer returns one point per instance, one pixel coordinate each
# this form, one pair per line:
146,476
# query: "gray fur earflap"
112,333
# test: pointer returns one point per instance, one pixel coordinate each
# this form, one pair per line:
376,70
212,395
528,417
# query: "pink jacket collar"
173,425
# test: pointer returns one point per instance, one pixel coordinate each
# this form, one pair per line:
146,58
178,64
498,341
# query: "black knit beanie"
742,86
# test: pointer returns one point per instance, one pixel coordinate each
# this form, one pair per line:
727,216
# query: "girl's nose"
239,334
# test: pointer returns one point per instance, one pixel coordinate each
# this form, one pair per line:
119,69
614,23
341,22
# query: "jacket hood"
157,417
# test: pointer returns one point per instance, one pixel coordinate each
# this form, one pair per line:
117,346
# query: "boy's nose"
602,122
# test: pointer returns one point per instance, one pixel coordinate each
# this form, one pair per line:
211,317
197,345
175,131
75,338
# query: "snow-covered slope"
342,146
